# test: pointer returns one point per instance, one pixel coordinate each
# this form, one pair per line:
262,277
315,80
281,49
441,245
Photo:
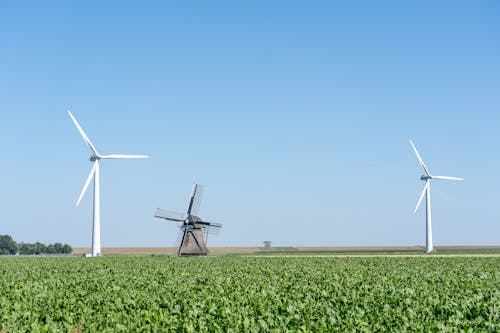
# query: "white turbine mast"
94,174
429,247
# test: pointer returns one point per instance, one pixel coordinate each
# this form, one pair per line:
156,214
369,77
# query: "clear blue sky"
295,115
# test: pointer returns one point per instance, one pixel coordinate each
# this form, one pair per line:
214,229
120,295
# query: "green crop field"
237,294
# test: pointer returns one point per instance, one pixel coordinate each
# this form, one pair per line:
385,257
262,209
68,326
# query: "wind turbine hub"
425,177
94,158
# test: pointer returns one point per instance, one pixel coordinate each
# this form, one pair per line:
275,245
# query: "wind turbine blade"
426,187
87,182
420,160
117,156
82,133
446,178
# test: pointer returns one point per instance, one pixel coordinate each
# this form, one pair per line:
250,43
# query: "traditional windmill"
194,231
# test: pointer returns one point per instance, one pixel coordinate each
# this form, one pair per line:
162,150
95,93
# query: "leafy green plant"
236,294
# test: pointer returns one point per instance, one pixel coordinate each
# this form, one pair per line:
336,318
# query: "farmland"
233,293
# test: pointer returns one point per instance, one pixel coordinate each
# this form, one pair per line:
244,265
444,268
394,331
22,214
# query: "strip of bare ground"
316,251
377,255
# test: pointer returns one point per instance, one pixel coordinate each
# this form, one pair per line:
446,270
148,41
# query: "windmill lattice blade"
178,240
118,156
426,187
195,202
420,160
446,178
214,228
82,133
191,198
169,215
87,182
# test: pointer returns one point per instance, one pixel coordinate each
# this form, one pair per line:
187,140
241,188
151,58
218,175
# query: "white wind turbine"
94,173
427,191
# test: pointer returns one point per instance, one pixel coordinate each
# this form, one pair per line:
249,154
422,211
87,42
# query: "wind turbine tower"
429,247
94,174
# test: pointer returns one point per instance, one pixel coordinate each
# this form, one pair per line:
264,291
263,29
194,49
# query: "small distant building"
267,243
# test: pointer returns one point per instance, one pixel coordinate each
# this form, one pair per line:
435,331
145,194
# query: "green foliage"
7,245
39,248
235,294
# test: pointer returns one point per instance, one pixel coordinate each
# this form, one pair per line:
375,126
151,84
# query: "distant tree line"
10,246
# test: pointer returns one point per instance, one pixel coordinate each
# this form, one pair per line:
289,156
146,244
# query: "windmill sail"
195,200
213,228
169,215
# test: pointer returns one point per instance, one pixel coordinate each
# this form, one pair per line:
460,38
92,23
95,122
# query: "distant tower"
267,243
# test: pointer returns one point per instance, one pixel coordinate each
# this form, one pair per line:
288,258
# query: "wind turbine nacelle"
425,177
94,158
